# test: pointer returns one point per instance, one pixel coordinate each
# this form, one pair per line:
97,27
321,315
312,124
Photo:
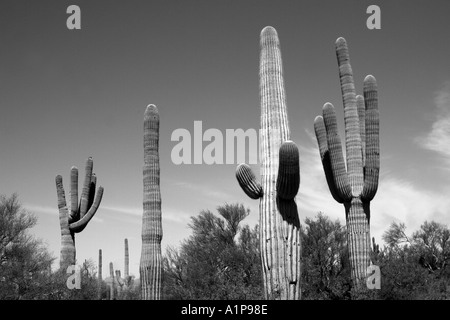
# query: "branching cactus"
280,179
151,263
74,219
119,282
353,185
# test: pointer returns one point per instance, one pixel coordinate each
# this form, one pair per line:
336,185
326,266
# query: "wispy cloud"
168,214
205,190
402,201
438,139
38,209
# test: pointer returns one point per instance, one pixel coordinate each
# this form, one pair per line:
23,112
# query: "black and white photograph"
219,155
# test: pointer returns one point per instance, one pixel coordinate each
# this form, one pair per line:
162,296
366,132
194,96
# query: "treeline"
221,260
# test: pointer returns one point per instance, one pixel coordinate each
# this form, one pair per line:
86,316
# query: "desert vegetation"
414,264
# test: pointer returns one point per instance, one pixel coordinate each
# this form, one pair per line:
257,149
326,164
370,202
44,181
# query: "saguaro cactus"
111,282
356,185
75,218
127,260
127,278
119,284
100,280
151,263
280,178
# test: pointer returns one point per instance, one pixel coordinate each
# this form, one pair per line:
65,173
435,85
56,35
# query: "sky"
66,95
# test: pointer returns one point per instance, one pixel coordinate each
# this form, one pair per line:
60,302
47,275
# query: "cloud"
38,209
205,190
168,214
438,139
401,201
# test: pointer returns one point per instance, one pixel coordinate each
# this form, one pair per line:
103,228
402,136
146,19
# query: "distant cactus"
75,218
280,179
119,283
100,280
111,282
356,185
127,260
375,246
151,264
375,253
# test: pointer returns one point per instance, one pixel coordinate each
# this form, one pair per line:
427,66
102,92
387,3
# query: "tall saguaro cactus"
356,185
280,179
74,219
151,263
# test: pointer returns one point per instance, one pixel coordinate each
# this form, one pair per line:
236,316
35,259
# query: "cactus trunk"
358,237
151,264
280,178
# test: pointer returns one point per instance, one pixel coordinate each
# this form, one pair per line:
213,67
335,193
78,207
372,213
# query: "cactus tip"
269,35
370,79
150,111
287,143
341,42
318,119
327,106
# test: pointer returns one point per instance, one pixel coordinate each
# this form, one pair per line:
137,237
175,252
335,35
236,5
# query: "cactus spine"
151,263
75,218
280,178
356,185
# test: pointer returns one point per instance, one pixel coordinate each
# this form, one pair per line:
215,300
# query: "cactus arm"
288,180
362,125
62,205
84,200
247,181
82,223
73,195
341,181
351,119
321,136
372,165
92,186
